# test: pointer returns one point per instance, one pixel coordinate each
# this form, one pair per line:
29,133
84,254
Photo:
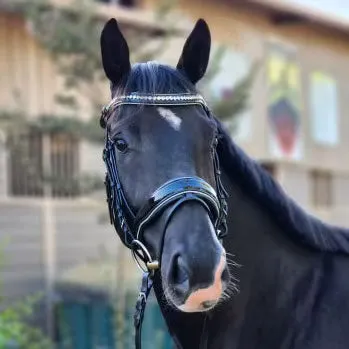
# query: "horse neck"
272,268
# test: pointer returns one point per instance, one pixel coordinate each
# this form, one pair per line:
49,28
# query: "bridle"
171,195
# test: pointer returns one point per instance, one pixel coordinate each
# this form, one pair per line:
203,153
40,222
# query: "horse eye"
121,145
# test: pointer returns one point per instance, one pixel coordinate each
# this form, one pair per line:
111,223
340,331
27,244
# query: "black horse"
282,278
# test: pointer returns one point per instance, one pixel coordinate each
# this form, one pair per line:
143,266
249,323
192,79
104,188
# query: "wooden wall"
26,71
75,237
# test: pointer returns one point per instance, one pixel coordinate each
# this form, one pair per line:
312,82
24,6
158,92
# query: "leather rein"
172,194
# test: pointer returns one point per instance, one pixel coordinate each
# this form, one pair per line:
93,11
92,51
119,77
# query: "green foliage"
238,99
71,35
15,329
214,65
50,124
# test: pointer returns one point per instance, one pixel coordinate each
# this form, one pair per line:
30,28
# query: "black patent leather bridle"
171,195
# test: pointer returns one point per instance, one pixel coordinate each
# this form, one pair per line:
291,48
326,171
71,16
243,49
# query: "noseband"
171,195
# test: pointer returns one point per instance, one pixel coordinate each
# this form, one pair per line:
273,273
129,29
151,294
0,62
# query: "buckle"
142,257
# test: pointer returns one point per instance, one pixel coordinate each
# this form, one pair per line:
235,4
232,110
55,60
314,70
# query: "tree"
71,35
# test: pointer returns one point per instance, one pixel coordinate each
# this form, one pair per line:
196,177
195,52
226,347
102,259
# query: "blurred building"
296,125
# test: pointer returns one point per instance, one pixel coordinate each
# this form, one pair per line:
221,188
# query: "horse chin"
189,306
186,308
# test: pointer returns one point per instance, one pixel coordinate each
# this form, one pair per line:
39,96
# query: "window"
64,165
27,165
322,188
323,109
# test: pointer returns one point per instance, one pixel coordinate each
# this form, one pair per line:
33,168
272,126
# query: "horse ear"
115,52
196,52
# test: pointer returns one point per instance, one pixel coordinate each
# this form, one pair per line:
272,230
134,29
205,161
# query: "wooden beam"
284,18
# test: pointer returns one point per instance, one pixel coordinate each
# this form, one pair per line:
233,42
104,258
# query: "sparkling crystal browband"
159,99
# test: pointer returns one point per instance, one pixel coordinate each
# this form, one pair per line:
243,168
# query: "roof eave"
311,15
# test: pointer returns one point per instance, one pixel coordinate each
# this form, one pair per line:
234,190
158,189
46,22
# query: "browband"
176,99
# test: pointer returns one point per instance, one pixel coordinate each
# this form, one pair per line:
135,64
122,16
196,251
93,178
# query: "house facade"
296,124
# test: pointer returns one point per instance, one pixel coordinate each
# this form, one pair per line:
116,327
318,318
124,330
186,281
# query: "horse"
235,263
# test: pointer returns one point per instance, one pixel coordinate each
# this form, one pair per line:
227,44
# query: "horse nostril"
179,278
179,271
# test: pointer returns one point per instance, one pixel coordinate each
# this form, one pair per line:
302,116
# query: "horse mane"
263,189
154,78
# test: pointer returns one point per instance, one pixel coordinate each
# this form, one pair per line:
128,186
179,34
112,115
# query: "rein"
172,194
